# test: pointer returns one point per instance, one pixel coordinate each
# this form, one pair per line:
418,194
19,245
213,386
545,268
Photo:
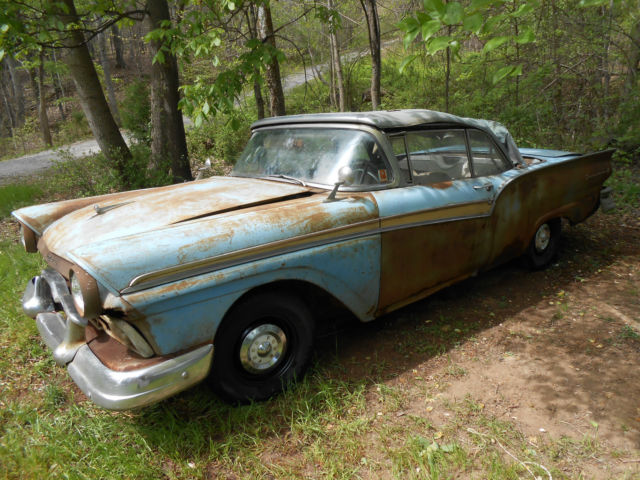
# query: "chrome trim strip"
156,278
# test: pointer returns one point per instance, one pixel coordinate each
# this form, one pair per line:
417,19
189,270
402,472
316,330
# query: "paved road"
41,161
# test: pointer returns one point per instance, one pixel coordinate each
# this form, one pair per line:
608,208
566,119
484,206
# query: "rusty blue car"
149,292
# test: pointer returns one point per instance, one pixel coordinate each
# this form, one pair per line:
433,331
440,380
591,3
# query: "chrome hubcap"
263,348
543,237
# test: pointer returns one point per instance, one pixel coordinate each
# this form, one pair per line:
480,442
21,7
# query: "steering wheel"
365,175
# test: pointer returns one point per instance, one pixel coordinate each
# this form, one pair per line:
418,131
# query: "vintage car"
149,292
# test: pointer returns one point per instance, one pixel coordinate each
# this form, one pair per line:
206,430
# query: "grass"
15,196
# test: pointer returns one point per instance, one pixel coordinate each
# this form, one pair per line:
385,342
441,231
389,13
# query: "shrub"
136,111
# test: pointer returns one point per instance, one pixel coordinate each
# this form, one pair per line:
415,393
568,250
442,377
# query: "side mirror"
345,177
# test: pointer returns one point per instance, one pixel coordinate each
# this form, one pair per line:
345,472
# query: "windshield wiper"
287,177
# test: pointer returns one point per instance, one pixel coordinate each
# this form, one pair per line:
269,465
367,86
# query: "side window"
486,158
438,155
400,152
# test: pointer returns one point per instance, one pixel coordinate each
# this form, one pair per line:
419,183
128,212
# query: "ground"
554,354
510,374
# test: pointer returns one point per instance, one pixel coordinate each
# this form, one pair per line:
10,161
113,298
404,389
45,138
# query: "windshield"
313,155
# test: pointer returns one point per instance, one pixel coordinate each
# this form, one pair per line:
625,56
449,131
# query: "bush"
136,111
96,175
222,140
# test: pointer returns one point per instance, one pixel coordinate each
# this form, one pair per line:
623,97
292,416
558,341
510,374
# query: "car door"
435,230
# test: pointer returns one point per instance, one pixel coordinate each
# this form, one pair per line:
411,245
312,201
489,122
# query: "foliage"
96,175
459,23
221,139
135,111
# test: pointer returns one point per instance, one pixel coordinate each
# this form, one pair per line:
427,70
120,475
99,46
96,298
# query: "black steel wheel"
544,244
261,347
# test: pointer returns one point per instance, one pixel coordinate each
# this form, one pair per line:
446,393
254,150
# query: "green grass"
14,196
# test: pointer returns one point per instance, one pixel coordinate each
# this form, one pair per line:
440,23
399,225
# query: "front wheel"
262,346
544,244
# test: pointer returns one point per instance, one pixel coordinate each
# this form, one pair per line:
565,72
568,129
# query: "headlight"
76,294
84,292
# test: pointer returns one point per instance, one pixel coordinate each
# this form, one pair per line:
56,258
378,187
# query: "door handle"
487,186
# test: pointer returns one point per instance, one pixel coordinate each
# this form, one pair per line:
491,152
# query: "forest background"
560,74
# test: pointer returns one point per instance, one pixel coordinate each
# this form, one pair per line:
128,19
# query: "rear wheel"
262,346
544,244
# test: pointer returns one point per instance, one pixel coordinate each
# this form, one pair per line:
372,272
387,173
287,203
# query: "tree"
168,142
373,29
272,67
91,96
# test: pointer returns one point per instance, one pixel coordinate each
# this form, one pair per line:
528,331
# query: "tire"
262,346
544,245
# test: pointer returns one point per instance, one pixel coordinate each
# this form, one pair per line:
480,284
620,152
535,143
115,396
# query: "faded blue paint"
115,262
188,312
418,197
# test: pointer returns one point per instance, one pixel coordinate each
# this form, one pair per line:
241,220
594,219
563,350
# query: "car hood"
182,227
141,211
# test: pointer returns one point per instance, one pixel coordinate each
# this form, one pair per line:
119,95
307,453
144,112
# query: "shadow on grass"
358,356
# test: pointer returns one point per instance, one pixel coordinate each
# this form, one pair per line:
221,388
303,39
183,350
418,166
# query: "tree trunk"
106,68
373,28
9,110
168,141
252,22
58,88
90,93
272,73
117,46
631,79
337,64
17,86
42,105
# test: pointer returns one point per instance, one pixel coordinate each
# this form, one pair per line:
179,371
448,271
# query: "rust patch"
441,185
118,357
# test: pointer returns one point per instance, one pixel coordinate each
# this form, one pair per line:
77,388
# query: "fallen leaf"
437,435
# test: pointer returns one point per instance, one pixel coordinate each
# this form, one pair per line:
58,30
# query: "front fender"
188,312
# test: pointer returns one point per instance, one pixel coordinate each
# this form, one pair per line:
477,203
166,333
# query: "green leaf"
406,62
454,13
435,7
523,9
409,24
1,54
494,43
430,28
477,5
206,108
508,71
409,37
438,43
4,28
159,57
593,3
472,23
526,36
448,447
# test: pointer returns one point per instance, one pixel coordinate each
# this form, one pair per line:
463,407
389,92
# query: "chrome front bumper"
111,389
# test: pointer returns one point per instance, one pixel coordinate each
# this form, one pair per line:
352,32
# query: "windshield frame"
378,136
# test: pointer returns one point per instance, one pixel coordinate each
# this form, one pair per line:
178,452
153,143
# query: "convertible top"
395,120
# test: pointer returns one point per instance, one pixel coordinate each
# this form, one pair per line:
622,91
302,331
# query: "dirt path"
547,360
